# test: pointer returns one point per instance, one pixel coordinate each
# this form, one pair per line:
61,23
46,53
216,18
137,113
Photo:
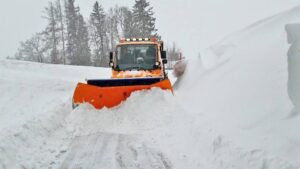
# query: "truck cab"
138,57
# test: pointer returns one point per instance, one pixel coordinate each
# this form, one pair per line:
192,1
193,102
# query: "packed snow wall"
293,31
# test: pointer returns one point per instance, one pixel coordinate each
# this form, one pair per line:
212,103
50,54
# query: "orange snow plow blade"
110,93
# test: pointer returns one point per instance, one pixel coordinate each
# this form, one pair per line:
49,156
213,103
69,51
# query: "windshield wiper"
120,68
134,68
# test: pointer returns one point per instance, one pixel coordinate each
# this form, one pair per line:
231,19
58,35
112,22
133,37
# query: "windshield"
139,57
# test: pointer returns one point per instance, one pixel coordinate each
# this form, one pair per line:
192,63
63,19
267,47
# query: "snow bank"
243,91
35,99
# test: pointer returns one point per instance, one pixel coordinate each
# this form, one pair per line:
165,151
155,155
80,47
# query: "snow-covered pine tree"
127,23
71,20
52,32
83,51
143,19
60,19
112,28
98,33
78,50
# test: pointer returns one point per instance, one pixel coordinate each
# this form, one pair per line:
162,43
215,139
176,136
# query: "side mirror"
111,56
163,55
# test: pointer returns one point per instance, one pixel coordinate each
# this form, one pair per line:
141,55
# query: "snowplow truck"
137,64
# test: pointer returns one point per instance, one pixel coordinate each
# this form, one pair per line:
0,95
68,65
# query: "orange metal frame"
109,97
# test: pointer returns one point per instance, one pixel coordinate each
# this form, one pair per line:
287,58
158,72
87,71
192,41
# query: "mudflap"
111,92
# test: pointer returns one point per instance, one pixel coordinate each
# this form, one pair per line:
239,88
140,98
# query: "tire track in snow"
109,150
85,147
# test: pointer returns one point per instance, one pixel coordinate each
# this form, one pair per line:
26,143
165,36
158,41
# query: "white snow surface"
230,110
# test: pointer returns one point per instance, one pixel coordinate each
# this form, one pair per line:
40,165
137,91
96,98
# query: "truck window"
140,57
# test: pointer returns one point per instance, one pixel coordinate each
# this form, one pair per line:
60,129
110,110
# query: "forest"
69,38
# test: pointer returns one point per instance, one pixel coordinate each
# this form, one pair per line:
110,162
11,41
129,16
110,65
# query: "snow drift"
243,88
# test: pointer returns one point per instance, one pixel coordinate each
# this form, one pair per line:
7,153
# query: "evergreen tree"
71,20
98,29
112,28
60,18
51,32
83,52
143,19
78,50
127,23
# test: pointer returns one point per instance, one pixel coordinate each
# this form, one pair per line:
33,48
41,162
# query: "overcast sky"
192,24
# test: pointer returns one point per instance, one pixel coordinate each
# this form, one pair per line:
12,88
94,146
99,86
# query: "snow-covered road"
109,150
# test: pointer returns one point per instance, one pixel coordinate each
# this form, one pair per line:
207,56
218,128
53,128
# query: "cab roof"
126,40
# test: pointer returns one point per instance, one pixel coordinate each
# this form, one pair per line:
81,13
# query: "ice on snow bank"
293,31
